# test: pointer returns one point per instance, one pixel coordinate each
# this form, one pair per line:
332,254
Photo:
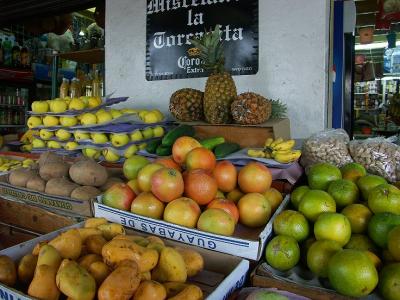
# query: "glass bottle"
1,53
96,88
74,88
16,55
64,88
25,58
7,52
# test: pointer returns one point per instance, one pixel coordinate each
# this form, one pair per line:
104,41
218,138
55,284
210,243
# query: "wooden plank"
31,217
10,237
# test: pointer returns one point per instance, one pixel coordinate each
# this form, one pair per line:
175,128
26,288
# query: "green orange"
283,252
292,223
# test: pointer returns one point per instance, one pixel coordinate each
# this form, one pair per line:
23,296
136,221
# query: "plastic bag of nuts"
330,146
378,156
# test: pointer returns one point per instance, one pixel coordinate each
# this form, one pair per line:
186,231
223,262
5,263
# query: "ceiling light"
373,46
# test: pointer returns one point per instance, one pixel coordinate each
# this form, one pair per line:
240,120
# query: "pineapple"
220,88
279,109
250,109
187,105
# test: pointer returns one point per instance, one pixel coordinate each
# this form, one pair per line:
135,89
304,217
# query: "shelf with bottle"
91,56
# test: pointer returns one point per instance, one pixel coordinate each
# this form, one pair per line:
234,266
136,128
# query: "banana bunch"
28,136
7,164
278,149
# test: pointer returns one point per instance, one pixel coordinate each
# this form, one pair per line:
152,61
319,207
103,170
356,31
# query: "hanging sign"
172,23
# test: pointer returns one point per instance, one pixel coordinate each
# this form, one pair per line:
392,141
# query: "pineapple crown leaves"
279,109
211,50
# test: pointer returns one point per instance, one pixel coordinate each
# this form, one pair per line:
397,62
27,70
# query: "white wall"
293,59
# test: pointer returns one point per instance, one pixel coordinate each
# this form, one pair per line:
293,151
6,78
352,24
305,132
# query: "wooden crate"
263,278
244,135
10,236
32,218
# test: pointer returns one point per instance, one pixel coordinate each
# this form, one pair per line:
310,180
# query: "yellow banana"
268,142
287,145
276,142
287,157
255,153
268,154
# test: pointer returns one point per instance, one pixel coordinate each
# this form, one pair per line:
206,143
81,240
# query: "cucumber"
225,149
163,150
182,130
211,143
151,146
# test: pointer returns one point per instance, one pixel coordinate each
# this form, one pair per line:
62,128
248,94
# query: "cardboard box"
62,205
244,135
297,281
246,242
222,273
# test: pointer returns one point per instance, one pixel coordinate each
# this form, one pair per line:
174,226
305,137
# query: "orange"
315,202
389,282
374,259
225,174
319,254
359,216
291,223
343,191
297,195
353,171
352,273
394,242
274,197
361,242
254,210
182,147
282,252
254,178
333,226
320,175
200,158
200,186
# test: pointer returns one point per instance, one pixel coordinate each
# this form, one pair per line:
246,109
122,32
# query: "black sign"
172,23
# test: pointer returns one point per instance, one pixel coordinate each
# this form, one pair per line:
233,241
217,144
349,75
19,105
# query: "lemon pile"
7,164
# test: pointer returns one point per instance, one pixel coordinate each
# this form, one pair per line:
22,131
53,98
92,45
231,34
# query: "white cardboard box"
246,242
222,273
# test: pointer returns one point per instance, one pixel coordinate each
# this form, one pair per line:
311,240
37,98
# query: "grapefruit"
343,191
225,174
132,166
389,282
167,184
359,216
216,220
200,158
261,294
235,195
367,183
182,147
394,242
315,202
353,171
254,178
227,205
168,163
334,227
282,253
291,223
297,195
352,273
182,211
384,198
254,210
274,198
146,204
119,196
319,254
145,174
200,186
320,175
